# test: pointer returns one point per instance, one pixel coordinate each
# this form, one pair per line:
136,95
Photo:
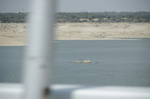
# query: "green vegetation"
83,17
104,17
13,17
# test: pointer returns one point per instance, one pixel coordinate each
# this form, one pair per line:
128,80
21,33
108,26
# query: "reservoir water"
114,62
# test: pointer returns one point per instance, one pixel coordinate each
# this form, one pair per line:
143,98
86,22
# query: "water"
114,62
11,59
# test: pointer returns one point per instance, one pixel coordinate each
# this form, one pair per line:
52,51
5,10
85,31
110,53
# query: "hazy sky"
81,5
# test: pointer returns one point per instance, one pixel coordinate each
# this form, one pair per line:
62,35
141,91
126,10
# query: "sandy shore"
14,34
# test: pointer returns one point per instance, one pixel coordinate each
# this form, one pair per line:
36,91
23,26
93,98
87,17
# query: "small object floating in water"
84,61
87,61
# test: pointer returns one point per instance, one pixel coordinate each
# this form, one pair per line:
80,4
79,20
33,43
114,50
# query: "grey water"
114,62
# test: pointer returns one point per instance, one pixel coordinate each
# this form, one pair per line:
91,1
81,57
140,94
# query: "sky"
81,5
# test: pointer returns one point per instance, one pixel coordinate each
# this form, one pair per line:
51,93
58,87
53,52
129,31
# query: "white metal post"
39,46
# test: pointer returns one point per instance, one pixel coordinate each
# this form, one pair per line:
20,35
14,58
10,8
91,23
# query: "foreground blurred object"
15,91
38,56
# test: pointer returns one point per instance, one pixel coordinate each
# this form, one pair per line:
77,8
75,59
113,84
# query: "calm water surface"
114,62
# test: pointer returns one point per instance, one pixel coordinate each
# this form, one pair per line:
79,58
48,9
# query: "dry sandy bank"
15,33
97,31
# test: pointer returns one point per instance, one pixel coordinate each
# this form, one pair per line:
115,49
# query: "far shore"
14,34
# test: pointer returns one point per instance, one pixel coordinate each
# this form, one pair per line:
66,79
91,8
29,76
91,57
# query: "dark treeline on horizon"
13,17
98,17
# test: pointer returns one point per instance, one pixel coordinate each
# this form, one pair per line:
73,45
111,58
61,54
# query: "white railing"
38,60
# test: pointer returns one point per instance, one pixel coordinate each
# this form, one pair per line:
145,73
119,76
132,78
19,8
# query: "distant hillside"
97,17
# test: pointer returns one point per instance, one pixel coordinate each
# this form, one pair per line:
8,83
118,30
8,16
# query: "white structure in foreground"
15,91
37,70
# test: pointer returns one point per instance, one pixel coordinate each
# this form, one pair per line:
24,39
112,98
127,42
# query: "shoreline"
13,34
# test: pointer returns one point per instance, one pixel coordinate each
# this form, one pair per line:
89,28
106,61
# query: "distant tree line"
83,17
13,17
104,17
